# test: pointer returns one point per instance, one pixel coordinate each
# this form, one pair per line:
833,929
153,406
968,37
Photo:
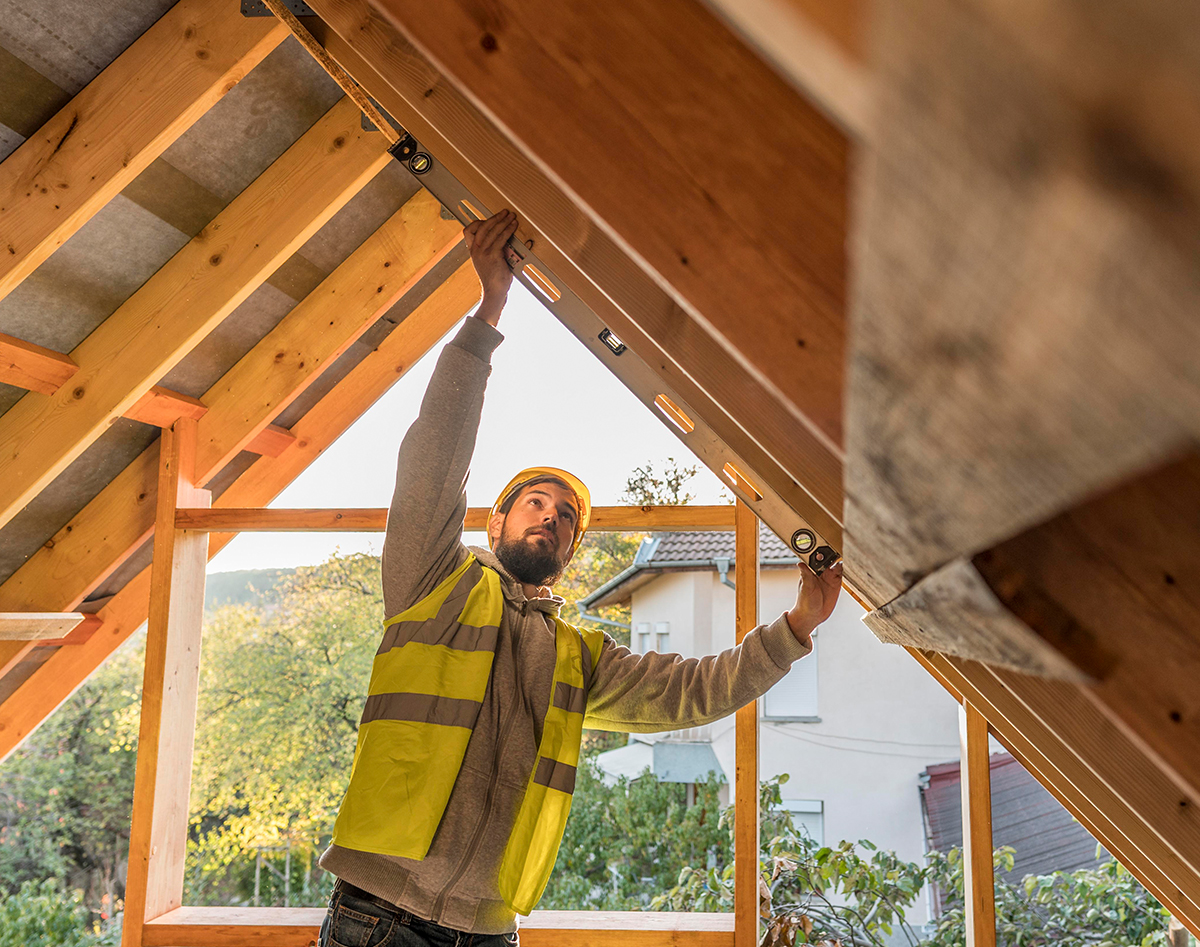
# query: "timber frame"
981,385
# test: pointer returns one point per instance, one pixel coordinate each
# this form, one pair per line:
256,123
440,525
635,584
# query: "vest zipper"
489,800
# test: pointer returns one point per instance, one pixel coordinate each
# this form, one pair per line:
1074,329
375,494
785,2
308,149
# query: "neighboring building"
854,724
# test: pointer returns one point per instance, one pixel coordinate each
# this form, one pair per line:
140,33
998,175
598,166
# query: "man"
465,761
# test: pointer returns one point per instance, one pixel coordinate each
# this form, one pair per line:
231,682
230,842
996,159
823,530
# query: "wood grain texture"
151,332
162,407
297,927
37,626
1076,774
746,816
32,367
804,470
979,882
158,832
271,441
242,402
604,518
119,123
955,611
67,668
1114,585
1024,327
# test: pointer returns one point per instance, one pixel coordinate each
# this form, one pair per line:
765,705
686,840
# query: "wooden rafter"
122,359
635,106
604,518
120,122
120,517
781,451
32,367
1146,828
162,407
56,679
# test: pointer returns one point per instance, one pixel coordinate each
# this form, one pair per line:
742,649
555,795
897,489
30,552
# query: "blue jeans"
358,919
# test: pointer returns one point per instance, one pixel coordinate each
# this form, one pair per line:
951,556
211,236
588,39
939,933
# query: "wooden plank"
297,927
802,468
979,882
119,123
1075,781
819,45
746,878
323,325
80,634
592,93
1114,585
268,378
1024,326
67,668
29,366
158,832
37,626
151,332
162,407
271,441
604,518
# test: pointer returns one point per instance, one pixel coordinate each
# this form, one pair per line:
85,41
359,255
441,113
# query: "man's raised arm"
423,542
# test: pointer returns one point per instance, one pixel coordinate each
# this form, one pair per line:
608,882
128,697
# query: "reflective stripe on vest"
427,686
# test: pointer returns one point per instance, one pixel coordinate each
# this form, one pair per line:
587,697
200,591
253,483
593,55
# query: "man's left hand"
815,600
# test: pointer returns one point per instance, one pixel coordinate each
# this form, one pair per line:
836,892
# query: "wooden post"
158,834
979,891
745,847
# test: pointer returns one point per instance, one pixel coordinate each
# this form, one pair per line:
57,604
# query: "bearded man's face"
537,536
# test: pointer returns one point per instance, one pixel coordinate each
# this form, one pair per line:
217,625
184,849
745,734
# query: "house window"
795,697
662,635
642,643
808,816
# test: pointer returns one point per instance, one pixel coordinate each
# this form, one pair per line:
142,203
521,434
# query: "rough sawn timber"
1026,291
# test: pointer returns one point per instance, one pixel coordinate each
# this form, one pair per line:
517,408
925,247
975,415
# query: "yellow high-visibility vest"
427,686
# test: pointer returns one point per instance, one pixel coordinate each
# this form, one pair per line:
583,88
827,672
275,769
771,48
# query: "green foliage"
809,893
42,914
66,794
280,698
625,842
1103,906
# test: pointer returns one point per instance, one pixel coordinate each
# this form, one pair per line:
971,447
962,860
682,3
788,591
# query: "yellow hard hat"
583,499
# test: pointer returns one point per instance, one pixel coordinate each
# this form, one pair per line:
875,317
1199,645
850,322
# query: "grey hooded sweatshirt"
456,884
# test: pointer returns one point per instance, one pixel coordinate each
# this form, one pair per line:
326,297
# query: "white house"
854,724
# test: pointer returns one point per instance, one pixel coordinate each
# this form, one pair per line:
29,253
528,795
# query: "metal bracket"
258,8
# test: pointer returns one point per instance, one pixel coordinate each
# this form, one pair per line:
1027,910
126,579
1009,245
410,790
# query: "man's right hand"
486,239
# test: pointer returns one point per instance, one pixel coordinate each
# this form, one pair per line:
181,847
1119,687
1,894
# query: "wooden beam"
1141,836
800,467
264,381
151,332
29,366
604,518
162,407
271,441
158,832
592,93
297,927
121,121
37,626
746,870
979,882
819,45
56,679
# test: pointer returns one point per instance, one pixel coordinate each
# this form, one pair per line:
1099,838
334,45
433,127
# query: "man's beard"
528,562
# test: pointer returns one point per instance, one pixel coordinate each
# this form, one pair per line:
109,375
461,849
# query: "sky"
583,420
